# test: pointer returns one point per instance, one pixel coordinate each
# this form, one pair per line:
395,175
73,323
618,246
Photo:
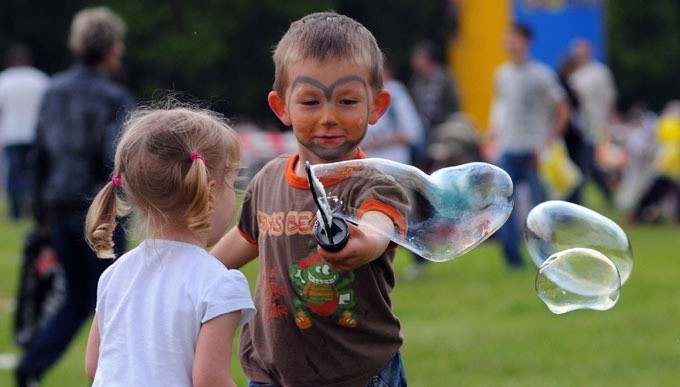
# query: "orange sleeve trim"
391,212
247,238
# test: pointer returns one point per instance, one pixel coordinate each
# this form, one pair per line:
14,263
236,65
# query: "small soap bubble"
458,207
578,278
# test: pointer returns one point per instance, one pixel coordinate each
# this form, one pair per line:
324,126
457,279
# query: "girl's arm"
212,363
92,351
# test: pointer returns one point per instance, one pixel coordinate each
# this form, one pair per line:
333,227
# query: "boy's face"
329,105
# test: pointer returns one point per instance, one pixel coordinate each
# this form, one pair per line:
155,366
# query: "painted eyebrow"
327,90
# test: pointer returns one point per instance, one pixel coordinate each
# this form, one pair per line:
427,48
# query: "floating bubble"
578,278
458,207
554,226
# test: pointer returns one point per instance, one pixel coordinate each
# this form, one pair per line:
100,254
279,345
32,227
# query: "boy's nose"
328,116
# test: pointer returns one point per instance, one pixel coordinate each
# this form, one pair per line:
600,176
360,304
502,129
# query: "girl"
167,310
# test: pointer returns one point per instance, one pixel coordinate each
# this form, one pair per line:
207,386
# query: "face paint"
329,110
328,91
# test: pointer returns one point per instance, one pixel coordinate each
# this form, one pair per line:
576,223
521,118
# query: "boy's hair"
93,32
163,163
327,36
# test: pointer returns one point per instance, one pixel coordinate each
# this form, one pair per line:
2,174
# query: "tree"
644,50
215,50
220,51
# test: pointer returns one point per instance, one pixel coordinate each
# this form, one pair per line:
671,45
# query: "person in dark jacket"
80,118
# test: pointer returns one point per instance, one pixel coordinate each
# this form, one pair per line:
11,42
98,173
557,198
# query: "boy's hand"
364,245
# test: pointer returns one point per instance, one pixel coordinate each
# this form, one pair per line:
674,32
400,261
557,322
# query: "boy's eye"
310,102
348,101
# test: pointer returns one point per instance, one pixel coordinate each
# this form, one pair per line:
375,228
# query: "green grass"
470,322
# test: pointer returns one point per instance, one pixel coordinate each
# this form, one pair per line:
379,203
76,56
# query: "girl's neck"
179,234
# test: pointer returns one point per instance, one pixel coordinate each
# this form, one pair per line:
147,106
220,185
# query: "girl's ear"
278,106
212,185
379,106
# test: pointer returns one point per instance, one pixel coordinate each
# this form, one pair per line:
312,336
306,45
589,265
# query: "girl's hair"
330,36
164,160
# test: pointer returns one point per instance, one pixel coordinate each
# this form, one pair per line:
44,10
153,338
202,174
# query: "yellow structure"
477,51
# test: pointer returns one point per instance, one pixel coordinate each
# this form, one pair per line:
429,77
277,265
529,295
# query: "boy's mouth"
330,140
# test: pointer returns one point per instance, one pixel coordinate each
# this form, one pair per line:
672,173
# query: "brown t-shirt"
315,326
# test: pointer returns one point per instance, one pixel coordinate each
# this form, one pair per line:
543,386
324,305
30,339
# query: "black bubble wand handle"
331,233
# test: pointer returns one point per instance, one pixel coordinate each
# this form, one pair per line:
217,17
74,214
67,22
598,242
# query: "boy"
324,318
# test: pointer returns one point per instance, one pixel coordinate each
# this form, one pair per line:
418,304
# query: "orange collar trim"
301,182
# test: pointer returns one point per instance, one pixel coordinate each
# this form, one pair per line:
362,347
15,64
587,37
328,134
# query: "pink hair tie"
196,155
116,181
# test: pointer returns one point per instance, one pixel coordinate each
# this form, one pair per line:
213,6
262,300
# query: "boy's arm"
212,362
233,250
92,350
364,245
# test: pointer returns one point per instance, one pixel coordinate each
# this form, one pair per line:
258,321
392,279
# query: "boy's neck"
299,167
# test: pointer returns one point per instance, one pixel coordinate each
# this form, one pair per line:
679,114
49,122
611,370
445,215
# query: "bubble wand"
331,233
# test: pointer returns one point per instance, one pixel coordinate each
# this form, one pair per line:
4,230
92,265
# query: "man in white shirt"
594,87
21,91
529,111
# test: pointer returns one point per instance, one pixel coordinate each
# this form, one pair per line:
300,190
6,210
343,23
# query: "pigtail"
101,220
198,192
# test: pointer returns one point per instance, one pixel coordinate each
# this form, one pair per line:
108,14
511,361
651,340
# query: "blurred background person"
573,139
593,85
529,110
80,119
399,128
434,92
436,97
636,130
396,134
454,142
664,190
22,87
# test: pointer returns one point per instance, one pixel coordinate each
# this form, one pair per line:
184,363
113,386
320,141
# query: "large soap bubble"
583,257
462,205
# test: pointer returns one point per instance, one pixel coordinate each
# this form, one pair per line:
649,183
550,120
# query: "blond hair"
163,163
93,32
328,36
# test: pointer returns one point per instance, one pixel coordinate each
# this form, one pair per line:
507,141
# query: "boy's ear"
380,104
278,106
